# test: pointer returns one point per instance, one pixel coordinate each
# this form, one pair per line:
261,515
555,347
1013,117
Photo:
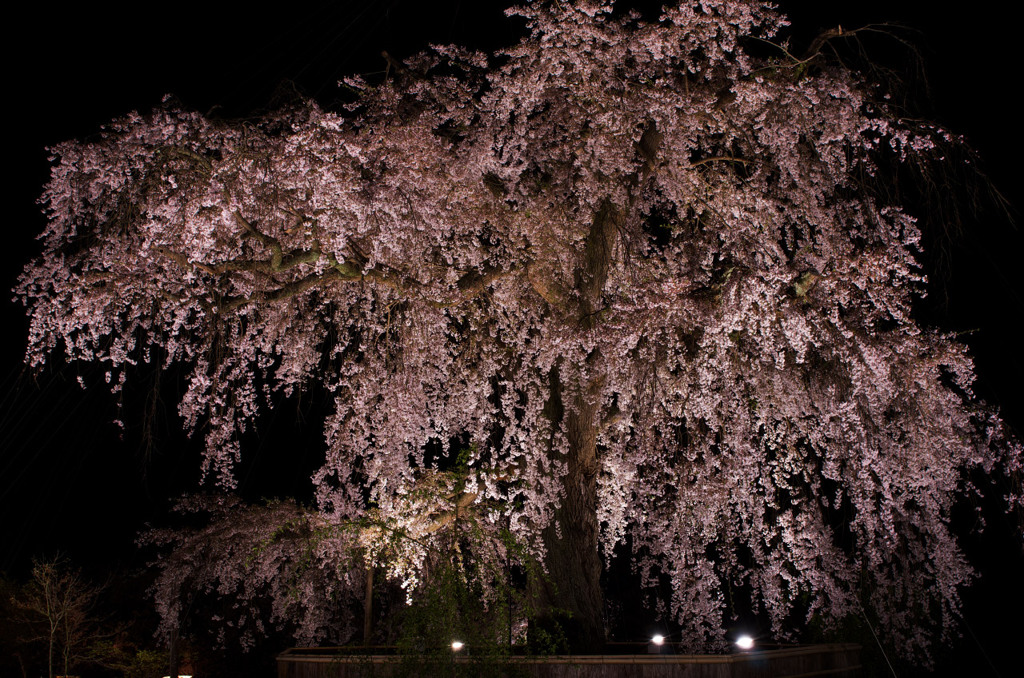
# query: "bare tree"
58,606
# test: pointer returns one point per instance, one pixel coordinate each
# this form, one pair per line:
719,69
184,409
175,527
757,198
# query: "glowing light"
457,645
658,639
745,643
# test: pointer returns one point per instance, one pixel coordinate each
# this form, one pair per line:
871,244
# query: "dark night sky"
67,480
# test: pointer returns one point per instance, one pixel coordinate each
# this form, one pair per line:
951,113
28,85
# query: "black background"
72,481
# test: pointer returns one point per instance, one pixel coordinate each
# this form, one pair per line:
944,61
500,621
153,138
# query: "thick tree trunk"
572,592
172,653
368,607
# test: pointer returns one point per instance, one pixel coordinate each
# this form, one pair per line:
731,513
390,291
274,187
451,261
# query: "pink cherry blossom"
636,266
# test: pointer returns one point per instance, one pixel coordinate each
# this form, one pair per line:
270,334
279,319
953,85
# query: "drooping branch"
714,384
273,244
287,291
467,287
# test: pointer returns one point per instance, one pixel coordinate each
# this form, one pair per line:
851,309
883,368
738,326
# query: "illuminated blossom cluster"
281,566
630,238
272,566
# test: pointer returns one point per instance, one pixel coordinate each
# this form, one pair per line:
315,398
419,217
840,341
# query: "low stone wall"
813,661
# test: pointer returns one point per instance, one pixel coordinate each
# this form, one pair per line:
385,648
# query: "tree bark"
172,653
572,593
50,656
368,606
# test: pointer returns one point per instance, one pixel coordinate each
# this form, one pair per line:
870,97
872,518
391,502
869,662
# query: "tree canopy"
640,270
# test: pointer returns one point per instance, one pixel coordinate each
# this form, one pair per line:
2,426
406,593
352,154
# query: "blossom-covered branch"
646,273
